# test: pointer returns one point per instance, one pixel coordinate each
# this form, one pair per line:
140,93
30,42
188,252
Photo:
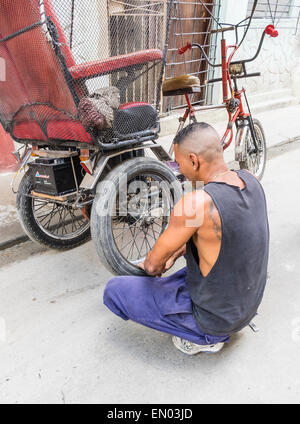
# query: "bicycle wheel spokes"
256,160
59,220
147,217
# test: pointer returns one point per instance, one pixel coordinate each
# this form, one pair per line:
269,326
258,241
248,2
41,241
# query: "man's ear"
194,161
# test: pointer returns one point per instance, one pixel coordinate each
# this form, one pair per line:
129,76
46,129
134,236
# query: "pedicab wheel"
256,162
130,211
49,223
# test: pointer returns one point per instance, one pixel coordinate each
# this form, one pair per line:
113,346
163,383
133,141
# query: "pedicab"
89,122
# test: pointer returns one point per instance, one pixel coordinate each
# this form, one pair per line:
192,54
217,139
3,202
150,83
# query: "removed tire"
131,209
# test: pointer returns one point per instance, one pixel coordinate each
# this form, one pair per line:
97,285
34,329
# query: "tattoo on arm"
217,226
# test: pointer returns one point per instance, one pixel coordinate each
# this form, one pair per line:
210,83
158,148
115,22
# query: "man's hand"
149,272
169,263
142,265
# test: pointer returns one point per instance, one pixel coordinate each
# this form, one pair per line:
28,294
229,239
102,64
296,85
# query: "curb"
272,149
13,242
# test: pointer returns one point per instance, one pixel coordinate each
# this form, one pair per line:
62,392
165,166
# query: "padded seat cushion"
181,85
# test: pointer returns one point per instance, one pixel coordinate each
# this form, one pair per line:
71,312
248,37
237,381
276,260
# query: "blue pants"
160,303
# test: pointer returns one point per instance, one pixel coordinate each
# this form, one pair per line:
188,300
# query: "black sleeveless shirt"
227,299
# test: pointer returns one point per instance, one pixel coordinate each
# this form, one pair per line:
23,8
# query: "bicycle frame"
232,96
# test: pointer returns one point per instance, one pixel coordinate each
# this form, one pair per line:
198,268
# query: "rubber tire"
101,222
34,232
243,164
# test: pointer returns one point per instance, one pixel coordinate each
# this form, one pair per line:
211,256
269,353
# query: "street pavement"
63,346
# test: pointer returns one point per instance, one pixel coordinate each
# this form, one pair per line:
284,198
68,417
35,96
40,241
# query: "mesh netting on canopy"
82,70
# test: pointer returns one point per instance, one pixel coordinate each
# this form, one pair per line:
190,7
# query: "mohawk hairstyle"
190,130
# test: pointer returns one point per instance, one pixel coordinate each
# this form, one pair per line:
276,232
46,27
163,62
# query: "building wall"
278,61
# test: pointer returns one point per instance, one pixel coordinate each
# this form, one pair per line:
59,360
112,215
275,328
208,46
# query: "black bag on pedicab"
135,117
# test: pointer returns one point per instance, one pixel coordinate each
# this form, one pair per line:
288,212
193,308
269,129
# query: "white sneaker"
190,348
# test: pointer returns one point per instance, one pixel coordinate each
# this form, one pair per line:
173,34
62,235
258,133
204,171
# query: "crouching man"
226,251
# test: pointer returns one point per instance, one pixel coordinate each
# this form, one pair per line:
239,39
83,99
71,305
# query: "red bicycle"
250,142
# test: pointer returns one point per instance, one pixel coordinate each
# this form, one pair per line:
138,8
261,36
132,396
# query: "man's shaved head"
201,139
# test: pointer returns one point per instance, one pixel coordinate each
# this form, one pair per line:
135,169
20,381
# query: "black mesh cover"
135,118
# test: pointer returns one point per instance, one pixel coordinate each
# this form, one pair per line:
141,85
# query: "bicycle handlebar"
269,30
189,46
182,50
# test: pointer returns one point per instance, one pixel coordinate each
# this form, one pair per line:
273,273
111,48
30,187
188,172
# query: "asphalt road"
63,346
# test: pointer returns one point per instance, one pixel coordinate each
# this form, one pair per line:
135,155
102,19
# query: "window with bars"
270,9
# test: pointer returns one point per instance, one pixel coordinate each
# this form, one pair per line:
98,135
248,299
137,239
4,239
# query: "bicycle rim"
136,233
59,221
256,161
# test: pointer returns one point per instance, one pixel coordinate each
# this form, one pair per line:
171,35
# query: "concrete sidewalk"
281,126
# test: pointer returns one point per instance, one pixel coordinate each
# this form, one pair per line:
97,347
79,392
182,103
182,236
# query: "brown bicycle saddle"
184,84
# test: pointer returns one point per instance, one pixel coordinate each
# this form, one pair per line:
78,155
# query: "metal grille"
134,28
118,27
284,14
268,9
191,21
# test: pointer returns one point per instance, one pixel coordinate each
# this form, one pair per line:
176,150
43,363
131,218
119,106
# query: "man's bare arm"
171,244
